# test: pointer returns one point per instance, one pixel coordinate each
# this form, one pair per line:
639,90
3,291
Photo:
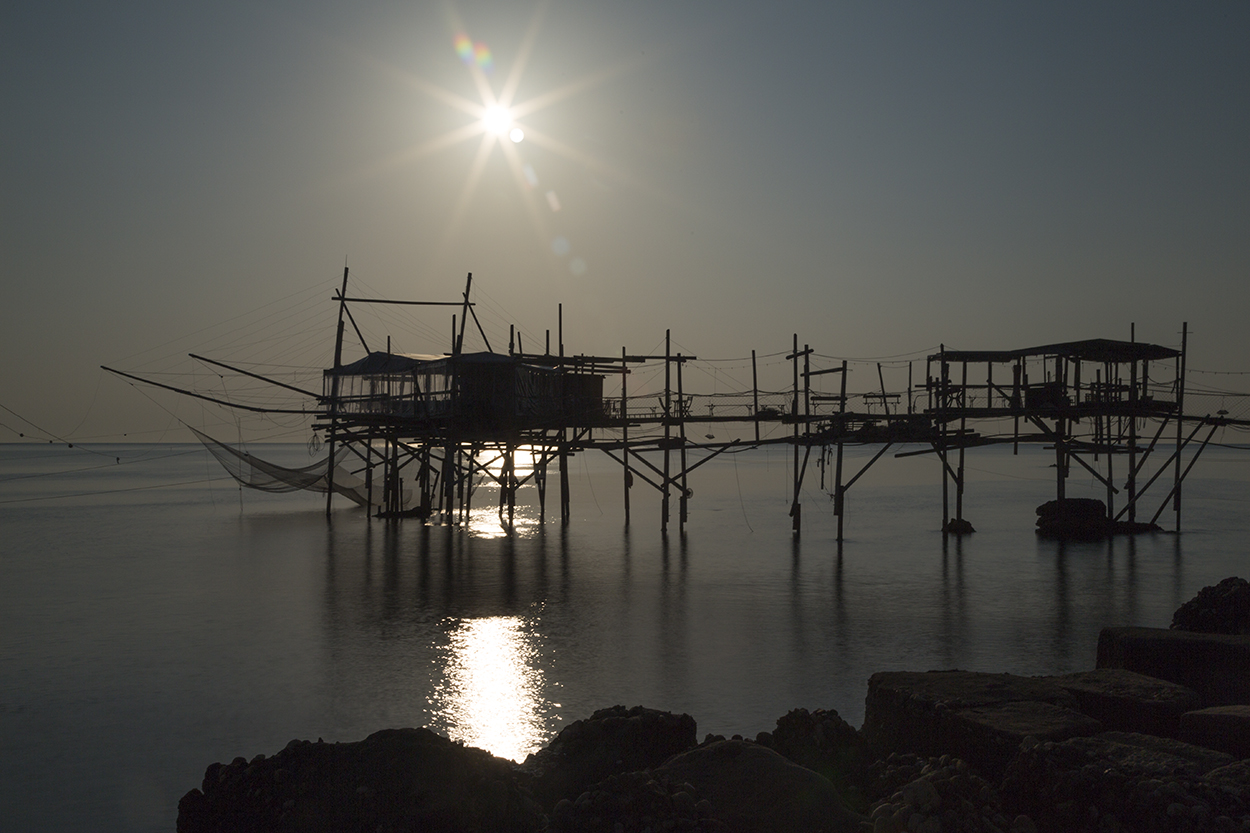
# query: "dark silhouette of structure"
422,429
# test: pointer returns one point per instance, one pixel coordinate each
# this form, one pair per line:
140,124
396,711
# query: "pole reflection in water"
491,696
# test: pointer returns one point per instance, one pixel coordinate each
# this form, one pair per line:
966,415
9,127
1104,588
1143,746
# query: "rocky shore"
1155,738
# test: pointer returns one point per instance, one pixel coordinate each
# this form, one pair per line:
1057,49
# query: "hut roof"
1095,350
379,363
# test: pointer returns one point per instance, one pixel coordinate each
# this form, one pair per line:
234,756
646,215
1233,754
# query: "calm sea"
154,619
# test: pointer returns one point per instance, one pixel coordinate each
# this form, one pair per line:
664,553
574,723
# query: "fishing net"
256,473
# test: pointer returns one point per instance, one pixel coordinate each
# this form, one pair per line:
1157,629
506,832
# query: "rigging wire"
116,491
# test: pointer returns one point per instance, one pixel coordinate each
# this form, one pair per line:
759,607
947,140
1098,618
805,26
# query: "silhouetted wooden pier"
422,428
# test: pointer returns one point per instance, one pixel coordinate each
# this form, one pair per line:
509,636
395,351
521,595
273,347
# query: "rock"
1214,665
1226,728
958,526
611,741
1073,519
1117,781
826,744
942,794
1234,777
979,717
1222,608
632,803
394,779
988,737
1129,702
753,789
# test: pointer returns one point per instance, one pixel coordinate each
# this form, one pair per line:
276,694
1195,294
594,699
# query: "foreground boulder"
752,789
633,803
823,742
611,741
1214,665
937,794
1226,728
1221,608
981,718
1124,781
1125,701
395,779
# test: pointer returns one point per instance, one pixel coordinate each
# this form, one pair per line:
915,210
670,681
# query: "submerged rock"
958,526
1073,519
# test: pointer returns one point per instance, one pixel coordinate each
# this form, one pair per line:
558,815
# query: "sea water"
155,619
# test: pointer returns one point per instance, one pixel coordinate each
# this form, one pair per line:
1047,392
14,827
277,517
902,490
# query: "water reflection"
491,694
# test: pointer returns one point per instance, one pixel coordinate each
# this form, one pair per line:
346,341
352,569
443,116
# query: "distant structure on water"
412,435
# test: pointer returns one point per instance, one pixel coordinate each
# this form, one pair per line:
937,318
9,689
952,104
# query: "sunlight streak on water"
491,697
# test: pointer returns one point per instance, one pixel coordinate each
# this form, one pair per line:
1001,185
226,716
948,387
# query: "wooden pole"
626,478
565,513
943,393
464,316
540,480
369,510
683,499
668,414
839,493
1112,437
963,432
755,397
1132,432
333,404
795,522
1180,414
397,485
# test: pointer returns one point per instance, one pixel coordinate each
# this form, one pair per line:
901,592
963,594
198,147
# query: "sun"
497,119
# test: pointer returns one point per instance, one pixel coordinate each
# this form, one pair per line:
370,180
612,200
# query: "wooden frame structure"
433,426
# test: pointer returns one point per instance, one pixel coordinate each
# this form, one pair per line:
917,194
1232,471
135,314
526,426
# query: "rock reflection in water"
491,695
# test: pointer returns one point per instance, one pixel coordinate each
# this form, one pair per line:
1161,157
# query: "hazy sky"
878,177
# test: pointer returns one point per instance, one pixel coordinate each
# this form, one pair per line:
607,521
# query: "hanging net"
267,477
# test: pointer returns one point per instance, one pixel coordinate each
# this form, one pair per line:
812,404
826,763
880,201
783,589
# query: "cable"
741,503
117,491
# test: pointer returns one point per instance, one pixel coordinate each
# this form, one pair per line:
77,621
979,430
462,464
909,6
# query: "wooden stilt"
755,397
668,429
626,477
683,499
1180,410
839,500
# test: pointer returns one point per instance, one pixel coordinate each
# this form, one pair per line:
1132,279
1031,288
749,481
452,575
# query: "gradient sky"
878,177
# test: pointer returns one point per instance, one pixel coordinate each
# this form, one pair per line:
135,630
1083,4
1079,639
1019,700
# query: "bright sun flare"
494,117
497,120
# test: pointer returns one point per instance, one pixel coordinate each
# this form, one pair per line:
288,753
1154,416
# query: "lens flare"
474,53
517,135
481,55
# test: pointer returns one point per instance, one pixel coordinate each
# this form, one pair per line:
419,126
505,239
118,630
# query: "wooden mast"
334,393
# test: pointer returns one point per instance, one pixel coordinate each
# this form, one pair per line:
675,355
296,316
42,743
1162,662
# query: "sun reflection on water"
491,696
488,518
